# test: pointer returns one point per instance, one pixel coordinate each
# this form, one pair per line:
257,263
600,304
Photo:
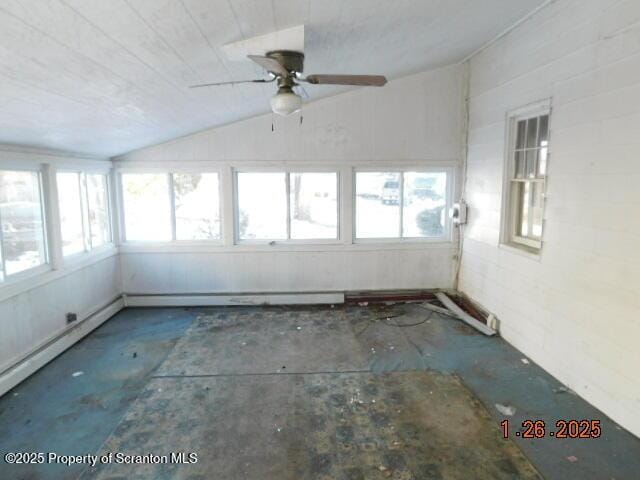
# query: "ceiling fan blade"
233,82
270,64
364,80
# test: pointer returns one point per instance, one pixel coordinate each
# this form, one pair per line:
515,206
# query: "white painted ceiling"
104,77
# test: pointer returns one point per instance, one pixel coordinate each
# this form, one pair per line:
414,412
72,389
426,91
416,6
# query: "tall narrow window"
408,204
527,170
70,206
22,239
197,206
147,207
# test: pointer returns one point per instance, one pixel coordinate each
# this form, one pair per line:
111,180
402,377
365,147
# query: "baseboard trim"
197,300
18,372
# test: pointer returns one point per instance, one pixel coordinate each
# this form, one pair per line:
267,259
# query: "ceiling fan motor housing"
292,61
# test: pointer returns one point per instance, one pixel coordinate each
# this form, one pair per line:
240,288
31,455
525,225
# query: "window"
98,203
171,206
313,201
197,206
147,208
84,211
527,170
22,238
401,204
287,206
70,206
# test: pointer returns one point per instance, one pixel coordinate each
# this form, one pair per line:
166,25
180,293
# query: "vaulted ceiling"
104,77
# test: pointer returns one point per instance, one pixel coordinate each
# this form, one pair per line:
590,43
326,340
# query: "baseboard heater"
43,354
209,300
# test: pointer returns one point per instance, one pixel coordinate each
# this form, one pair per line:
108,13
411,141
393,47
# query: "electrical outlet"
72,317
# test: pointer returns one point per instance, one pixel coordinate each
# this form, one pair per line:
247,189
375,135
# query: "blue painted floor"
55,411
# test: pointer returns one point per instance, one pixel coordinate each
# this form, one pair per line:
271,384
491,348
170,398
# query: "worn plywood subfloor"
269,393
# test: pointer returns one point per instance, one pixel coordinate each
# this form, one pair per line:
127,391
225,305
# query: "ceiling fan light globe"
286,103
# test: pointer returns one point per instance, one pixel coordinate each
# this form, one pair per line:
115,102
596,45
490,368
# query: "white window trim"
168,172
287,171
508,238
55,265
83,208
447,235
229,203
89,249
14,278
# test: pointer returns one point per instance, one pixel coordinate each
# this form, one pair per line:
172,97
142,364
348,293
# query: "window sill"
44,274
522,250
244,248
402,241
86,258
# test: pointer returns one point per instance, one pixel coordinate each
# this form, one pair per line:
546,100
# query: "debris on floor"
572,458
77,374
525,361
505,409
563,389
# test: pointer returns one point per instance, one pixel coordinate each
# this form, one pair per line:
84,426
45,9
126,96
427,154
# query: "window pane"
22,222
262,206
377,205
542,161
544,145
543,136
530,168
536,210
147,213
70,207
197,206
98,210
532,129
520,165
523,198
424,204
314,205
522,125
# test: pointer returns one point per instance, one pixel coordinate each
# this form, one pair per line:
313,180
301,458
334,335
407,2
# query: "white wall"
414,121
575,309
34,317
33,309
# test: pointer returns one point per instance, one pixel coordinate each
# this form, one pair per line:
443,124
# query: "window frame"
83,211
168,173
84,206
110,241
287,171
510,211
447,235
45,266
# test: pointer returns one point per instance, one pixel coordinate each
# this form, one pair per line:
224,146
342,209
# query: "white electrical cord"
465,159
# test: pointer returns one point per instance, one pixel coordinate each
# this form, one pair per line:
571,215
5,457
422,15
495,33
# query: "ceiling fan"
285,67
